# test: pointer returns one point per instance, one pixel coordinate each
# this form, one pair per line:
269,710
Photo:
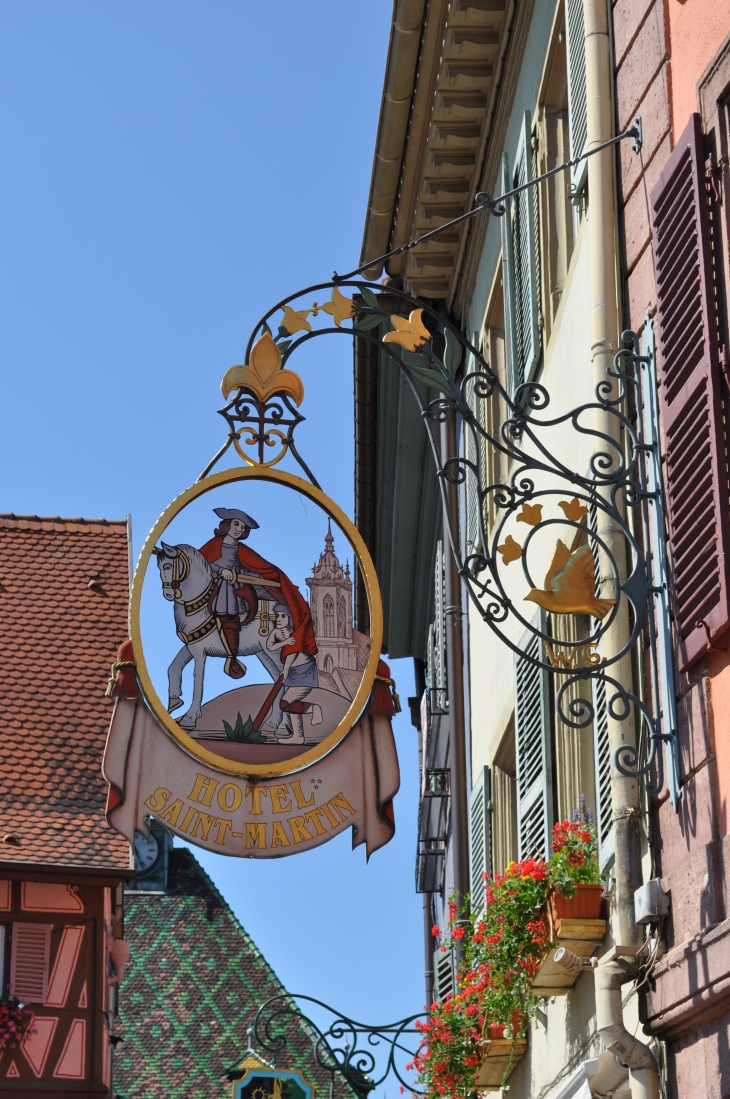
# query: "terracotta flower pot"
585,904
495,1031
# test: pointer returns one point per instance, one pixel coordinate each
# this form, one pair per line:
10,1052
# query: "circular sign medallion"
243,671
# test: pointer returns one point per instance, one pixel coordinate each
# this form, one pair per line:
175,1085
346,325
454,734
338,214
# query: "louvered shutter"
473,530
443,975
437,637
508,282
480,837
524,251
602,748
577,99
695,473
533,729
29,954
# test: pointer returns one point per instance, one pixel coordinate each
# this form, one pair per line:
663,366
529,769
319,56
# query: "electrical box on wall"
650,902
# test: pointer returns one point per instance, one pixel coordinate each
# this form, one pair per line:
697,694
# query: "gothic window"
329,663
328,608
341,613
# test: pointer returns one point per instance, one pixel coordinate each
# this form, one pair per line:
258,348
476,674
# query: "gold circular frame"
192,747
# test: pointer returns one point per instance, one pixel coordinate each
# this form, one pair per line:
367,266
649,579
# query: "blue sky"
169,171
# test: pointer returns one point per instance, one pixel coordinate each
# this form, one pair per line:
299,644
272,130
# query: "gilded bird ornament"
570,585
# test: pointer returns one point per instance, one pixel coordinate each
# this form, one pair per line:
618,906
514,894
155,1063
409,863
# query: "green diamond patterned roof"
191,989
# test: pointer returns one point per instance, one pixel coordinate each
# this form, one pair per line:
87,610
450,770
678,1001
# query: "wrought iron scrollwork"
540,508
363,1055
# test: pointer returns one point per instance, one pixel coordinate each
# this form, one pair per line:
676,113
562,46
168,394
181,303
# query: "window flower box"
500,1057
586,903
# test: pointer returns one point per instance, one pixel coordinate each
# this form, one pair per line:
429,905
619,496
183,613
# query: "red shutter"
29,954
690,389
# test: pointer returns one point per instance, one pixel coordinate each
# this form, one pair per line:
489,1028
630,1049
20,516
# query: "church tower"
339,656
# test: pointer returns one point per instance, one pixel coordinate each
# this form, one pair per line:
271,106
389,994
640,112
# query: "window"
520,257
328,608
534,750
556,213
577,99
492,410
480,840
29,955
436,663
504,803
341,617
695,473
443,975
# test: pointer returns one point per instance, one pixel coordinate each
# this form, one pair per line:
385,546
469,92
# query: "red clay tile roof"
64,586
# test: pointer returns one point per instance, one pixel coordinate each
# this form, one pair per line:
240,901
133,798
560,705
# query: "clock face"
145,852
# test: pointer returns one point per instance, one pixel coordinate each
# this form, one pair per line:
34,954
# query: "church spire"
328,539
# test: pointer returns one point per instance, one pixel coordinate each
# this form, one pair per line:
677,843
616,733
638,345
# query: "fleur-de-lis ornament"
263,376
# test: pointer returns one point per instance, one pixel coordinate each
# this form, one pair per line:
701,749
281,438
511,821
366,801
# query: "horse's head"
174,568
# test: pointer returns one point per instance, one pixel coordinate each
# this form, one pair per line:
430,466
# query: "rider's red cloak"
302,632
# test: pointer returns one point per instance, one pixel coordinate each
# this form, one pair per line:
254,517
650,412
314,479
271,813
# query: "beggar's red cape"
303,634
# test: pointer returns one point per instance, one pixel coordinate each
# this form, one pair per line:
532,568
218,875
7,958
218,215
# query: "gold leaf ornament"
340,308
263,376
410,333
530,514
574,510
296,320
510,550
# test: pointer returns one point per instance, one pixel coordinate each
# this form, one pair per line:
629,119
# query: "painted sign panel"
252,675
247,674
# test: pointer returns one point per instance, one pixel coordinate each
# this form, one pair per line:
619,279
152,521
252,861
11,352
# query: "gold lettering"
278,793
590,655
203,789
559,659
298,830
256,793
340,802
223,794
156,801
330,815
187,819
297,788
278,835
204,823
313,816
172,812
255,834
223,826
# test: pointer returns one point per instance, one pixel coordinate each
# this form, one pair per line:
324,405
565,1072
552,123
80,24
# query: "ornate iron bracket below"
337,1047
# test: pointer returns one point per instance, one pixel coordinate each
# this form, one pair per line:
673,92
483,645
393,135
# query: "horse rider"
234,601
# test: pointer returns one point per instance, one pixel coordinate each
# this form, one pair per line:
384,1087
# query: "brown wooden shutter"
29,954
690,391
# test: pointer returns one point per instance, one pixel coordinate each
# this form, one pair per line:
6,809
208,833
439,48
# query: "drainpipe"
428,947
455,678
643,1069
602,224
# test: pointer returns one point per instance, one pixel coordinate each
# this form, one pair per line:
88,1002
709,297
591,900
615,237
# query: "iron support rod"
455,674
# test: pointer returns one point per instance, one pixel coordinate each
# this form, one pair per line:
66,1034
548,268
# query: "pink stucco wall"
696,29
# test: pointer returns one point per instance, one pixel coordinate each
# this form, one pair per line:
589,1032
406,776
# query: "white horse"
187,581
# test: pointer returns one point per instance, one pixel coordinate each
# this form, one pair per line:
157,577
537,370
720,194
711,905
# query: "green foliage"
502,949
452,352
575,856
370,320
243,732
370,299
